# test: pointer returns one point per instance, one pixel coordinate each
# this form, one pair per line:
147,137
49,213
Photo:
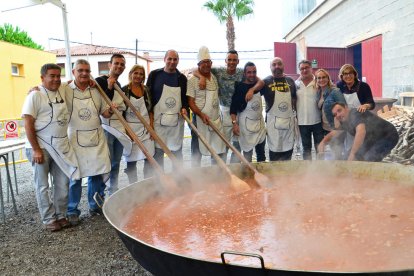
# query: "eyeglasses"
83,70
347,74
304,68
322,78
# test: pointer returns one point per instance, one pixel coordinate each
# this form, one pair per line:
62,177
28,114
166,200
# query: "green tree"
16,36
226,10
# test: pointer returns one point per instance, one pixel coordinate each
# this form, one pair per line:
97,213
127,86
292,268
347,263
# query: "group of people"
74,131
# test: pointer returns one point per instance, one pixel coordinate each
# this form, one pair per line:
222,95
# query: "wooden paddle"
167,181
261,179
235,182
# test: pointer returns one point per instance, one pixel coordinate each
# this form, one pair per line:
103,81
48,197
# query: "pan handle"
223,259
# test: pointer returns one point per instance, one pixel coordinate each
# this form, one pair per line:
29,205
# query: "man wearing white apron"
46,120
114,130
168,89
139,96
247,118
87,138
280,96
226,78
205,104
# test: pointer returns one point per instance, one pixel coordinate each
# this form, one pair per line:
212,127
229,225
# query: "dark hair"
49,66
304,61
249,63
233,52
116,56
344,105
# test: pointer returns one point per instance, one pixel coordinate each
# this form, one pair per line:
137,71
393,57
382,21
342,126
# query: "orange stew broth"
308,223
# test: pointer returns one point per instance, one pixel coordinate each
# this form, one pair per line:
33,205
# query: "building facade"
376,36
98,57
20,70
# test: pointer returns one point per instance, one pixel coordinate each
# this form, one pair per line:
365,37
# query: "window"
103,68
17,69
63,71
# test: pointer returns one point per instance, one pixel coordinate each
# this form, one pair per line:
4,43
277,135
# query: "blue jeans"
115,151
306,132
95,185
260,152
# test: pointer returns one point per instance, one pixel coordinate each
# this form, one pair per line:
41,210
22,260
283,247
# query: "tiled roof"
88,49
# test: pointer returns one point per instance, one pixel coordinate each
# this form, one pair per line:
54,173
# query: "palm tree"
225,10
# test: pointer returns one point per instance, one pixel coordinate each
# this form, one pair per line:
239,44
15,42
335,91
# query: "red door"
372,64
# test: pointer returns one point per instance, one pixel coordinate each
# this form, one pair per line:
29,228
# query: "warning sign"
12,129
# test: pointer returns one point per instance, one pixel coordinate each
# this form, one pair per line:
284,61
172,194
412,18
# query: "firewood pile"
402,118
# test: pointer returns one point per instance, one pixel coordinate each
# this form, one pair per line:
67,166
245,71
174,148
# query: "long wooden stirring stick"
235,182
261,179
165,180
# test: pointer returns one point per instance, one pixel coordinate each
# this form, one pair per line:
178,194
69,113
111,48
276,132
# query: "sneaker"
53,226
73,219
95,212
64,223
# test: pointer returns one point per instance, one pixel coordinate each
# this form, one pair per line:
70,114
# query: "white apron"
138,127
114,126
227,122
352,101
168,123
251,123
87,137
280,123
55,140
211,109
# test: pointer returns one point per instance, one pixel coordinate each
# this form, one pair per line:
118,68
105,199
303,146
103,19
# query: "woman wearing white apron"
87,138
357,95
138,94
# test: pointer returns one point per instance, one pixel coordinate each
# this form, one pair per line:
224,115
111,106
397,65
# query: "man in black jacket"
168,89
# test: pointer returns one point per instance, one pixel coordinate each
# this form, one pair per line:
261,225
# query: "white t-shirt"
194,91
307,109
37,105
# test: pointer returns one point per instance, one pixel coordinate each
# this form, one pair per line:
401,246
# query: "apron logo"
84,114
255,106
170,102
283,106
62,120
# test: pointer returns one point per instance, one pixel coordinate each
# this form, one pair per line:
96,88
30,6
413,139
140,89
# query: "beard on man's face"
277,71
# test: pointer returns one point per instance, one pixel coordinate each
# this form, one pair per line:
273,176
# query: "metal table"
7,147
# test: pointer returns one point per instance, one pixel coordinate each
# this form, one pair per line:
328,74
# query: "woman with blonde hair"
138,95
329,94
